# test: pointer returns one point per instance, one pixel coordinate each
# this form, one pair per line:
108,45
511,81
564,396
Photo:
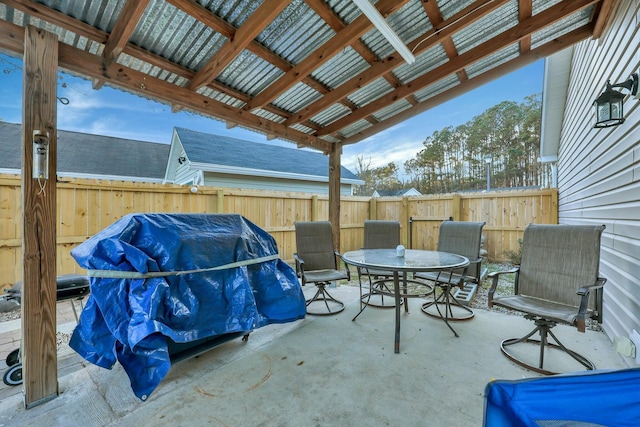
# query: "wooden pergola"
313,72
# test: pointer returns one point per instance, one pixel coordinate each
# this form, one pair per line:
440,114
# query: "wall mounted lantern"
609,110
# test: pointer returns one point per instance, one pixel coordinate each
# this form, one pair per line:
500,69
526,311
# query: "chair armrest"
346,266
299,268
495,276
468,278
585,292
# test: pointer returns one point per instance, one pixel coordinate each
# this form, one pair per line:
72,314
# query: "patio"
317,371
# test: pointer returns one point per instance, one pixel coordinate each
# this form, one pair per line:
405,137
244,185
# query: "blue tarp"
607,398
131,318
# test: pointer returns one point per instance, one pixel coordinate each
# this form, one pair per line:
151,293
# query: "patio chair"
461,238
553,285
380,234
317,262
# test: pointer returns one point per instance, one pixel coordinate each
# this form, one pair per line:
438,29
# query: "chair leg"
543,327
323,297
453,309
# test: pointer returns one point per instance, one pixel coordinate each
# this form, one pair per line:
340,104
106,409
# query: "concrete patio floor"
315,372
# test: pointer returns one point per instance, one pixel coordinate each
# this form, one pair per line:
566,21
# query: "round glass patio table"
413,261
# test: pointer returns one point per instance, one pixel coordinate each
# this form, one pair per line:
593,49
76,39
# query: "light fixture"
385,29
181,159
609,111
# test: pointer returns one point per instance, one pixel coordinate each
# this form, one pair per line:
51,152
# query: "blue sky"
116,113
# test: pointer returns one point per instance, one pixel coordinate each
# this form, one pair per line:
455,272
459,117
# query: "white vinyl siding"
599,169
272,184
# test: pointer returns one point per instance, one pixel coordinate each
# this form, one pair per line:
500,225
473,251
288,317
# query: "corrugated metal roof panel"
295,98
370,92
354,128
331,114
425,62
302,128
448,8
343,66
345,9
542,5
268,115
493,60
482,30
221,97
561,27
249,73
437,88
296,33
392,110
235,12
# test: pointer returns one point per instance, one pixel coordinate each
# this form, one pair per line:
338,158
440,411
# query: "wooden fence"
87,206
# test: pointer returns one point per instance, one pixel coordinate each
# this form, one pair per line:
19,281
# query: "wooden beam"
435,16
606,11
504,39
324,53
204,15
328,15
421,44
126,23
253,26
334,193
499,71
38,10
525,9
39,348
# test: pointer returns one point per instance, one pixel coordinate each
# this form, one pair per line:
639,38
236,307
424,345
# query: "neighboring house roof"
394,193
91,156
215,153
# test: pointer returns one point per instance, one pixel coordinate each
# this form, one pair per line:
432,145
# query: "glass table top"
413,260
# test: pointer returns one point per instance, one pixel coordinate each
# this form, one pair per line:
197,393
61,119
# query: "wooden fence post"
373,208
220,197
456,207
314,208
404,221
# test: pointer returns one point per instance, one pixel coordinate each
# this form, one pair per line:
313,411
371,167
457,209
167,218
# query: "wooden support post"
334,193
39,133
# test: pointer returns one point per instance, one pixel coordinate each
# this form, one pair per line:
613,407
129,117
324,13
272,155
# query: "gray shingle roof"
96,155
210,149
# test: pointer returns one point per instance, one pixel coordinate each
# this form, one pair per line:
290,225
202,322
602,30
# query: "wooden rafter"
435,16
345,37
215,23
246,34
525,9
419,45
503,69
324,11
606,10
119,37
504,39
